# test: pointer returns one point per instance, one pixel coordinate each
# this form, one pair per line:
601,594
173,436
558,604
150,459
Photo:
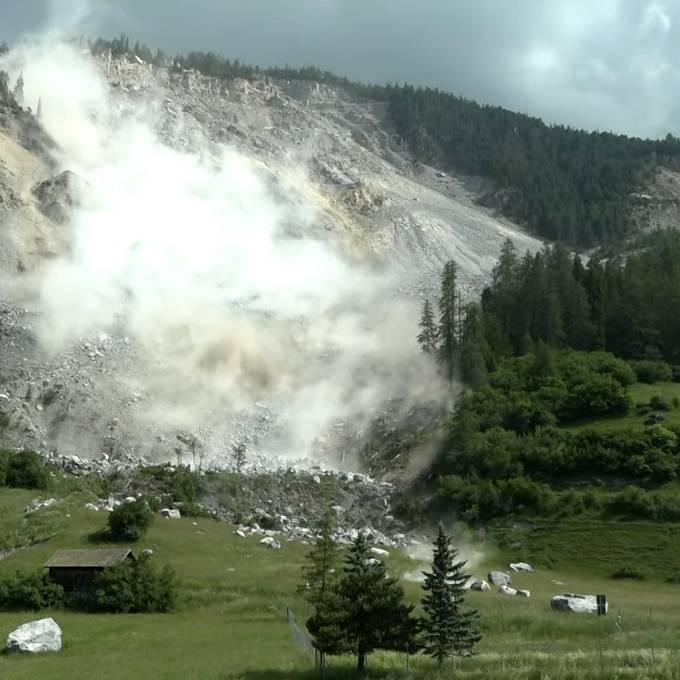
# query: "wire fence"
304,640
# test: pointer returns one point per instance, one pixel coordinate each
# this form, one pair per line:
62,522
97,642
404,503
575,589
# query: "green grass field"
640,393
228,623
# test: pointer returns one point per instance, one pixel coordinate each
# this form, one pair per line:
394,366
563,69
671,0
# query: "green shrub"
651,372
654,505
631,572
129,521
135,587
411,509
482,499
193,510
29,591
24,470
183,485
657,403
596,395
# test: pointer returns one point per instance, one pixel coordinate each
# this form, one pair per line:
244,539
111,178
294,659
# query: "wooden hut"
77,569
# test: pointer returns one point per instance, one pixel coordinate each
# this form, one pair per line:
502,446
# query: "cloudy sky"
598,64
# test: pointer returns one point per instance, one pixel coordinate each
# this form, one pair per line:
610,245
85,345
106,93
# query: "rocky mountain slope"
326,157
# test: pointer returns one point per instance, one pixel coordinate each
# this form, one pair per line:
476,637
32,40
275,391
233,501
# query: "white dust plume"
190,255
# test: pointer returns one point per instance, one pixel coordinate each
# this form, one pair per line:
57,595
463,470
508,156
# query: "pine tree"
427,338
18,91
447,629
238,458
318,590
321,561
473,348
365,612
448,330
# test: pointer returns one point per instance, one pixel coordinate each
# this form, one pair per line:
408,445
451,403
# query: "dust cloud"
191,256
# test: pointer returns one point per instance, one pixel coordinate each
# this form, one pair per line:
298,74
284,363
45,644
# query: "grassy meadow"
228,623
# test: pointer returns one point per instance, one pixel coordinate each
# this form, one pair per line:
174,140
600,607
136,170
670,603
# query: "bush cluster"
29,591
651,372
505,452
130,521
660,506
22,470
134,588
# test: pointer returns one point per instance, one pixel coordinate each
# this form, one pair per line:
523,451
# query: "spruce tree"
18,91
447,629
448,330
366,611
474,348
322,559
427,338
318,590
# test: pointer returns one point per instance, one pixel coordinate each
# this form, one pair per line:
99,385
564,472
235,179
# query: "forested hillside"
622,304
566,185
563,184
573,385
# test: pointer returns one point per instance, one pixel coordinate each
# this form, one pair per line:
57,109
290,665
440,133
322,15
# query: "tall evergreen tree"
474,348
427,338
322,559
448,330
366,611
18,91
448,629
318,590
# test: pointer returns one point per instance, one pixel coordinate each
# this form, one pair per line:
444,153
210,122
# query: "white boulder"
507,590
571,602
521,566
171,513
379,552
271,543
523,593
43,635
499,578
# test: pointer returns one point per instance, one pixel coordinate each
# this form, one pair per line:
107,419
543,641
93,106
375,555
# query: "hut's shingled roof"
88,558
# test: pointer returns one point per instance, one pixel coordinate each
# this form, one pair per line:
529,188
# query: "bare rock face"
43,635
58,195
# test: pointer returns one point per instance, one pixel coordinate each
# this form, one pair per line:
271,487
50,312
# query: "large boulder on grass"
43,635
521,566
572,602
499,578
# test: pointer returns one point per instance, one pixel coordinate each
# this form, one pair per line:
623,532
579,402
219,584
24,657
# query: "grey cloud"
610,64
